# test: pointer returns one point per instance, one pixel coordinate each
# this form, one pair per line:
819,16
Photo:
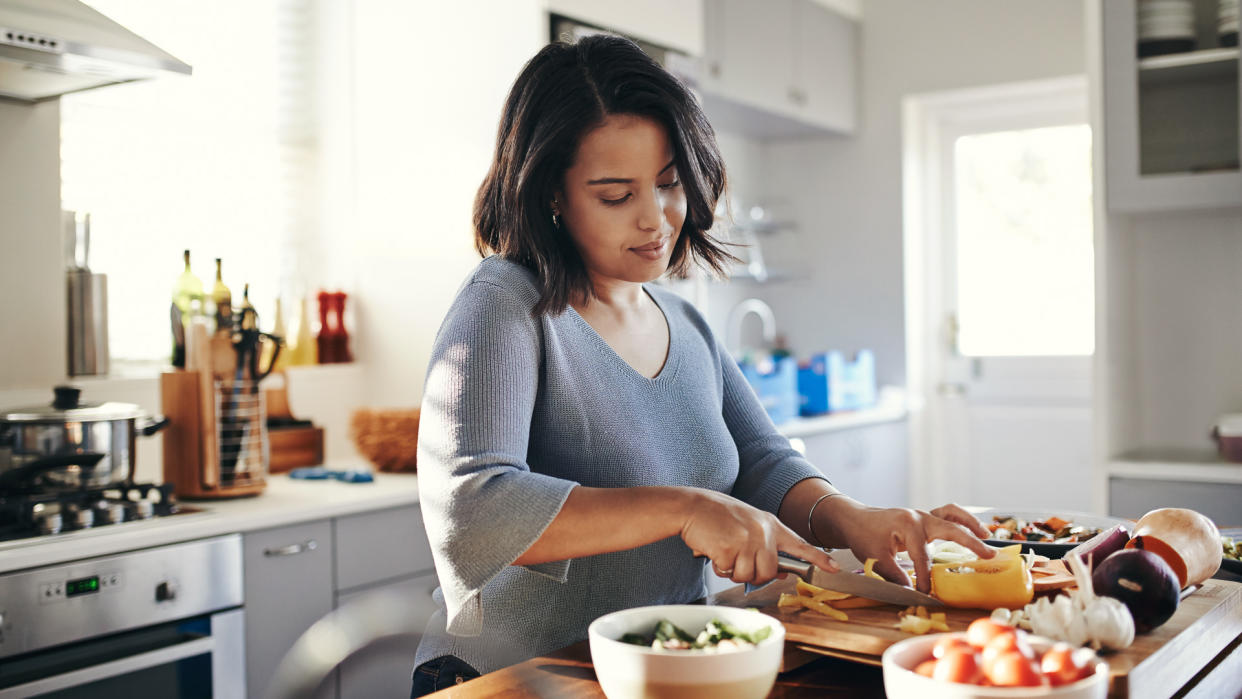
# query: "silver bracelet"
810,528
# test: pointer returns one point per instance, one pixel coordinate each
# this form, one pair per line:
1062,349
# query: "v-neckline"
670,359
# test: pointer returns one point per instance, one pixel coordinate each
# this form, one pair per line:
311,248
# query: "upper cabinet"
779,68
674,25
1171,117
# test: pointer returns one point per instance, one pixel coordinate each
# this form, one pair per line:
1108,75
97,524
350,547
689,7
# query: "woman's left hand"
880,533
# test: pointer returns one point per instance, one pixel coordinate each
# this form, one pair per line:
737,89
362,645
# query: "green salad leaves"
668,636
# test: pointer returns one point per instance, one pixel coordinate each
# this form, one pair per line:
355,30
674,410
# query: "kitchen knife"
857,584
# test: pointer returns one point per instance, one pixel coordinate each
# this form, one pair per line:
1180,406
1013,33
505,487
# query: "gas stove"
34,513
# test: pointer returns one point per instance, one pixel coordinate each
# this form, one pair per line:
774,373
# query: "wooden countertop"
568,673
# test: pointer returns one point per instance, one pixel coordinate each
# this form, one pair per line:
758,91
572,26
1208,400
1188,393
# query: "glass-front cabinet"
1171,96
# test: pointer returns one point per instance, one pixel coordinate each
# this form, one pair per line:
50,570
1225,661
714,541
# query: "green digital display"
82,586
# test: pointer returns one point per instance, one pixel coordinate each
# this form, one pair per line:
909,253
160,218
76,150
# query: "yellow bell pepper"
1002,581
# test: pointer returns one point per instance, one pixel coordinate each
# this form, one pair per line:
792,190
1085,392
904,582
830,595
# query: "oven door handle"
112,668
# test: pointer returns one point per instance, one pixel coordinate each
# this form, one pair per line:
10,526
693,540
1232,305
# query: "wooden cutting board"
1156,665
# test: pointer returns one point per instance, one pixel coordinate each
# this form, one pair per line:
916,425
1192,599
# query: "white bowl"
628,671
902,682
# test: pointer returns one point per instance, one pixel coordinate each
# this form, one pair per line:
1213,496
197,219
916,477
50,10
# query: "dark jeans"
440,673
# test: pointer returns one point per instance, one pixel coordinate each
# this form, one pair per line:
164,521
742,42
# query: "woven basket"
387,437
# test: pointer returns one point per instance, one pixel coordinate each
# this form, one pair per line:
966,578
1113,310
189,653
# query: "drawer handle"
292,549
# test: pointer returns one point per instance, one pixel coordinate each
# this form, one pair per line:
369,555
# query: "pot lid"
68,407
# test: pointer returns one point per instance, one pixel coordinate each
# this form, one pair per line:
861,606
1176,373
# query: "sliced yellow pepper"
819,593
1003,581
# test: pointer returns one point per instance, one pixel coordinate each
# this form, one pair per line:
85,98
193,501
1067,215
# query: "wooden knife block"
197,446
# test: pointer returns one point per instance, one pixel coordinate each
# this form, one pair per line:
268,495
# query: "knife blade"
856,584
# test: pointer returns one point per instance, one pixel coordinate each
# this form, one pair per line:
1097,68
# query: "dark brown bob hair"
562,93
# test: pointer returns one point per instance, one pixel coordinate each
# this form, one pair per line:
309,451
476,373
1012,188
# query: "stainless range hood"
52,47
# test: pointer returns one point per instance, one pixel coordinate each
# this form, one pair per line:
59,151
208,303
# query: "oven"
160,622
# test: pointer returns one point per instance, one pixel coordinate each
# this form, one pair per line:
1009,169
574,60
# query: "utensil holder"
244,453
216,448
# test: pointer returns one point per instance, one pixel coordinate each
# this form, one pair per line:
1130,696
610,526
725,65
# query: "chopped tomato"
983,629
1015,670
1003,643
1061,666
958,665
947,643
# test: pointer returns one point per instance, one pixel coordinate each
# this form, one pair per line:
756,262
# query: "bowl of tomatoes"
991,660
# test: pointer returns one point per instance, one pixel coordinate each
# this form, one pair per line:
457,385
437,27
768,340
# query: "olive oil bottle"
223,299
187,302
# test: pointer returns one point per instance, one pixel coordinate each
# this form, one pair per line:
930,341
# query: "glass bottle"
302,349
187,302
188,292
223,299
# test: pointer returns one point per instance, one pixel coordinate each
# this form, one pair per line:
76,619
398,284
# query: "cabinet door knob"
291,549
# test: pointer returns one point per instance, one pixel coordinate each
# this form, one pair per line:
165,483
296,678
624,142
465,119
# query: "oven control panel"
60,590
75,601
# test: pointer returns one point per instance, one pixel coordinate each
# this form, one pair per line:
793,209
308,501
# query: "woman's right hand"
742,541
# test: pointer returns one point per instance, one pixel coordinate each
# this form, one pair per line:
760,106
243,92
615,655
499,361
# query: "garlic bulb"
1081,617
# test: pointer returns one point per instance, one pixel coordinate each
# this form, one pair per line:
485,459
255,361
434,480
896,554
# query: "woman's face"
622,201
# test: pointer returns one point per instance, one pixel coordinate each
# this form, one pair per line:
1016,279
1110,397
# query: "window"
220,163
1025,270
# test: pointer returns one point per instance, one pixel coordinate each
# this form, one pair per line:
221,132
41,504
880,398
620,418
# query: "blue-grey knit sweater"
517,411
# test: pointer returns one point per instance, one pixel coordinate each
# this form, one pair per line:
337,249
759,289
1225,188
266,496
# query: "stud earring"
556,217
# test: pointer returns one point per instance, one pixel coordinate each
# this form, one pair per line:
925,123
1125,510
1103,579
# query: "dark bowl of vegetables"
686,651
1051,534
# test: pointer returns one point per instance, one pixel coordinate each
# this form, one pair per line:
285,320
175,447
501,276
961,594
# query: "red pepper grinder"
343,354
327,347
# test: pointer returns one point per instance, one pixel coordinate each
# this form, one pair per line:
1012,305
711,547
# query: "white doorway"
1000,295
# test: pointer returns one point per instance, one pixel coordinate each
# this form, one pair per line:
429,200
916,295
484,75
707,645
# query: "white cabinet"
867,463
674,24
288,587
1134,497
1168,238
296,575
750,52
825,66
1171,123
781,68
384,668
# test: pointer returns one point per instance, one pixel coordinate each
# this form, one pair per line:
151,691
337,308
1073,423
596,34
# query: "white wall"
32,277
430,81
1177,329
848,190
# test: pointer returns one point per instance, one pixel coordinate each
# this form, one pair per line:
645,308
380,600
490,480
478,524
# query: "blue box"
813,386
828,383
776,384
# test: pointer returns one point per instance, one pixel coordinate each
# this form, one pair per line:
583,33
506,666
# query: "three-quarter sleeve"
482,505
767,465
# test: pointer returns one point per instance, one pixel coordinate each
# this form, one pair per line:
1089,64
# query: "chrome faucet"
733,336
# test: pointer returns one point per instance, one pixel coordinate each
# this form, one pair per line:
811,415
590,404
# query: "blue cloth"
517,411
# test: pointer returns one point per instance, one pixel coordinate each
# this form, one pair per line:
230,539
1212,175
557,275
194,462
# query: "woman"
585,441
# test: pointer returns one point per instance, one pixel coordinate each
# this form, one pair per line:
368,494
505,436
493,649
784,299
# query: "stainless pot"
70,445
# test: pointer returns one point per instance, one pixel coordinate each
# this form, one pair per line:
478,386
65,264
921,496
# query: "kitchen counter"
890,406
569,673
285,501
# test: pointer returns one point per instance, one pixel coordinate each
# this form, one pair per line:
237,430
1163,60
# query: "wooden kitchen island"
1217,666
